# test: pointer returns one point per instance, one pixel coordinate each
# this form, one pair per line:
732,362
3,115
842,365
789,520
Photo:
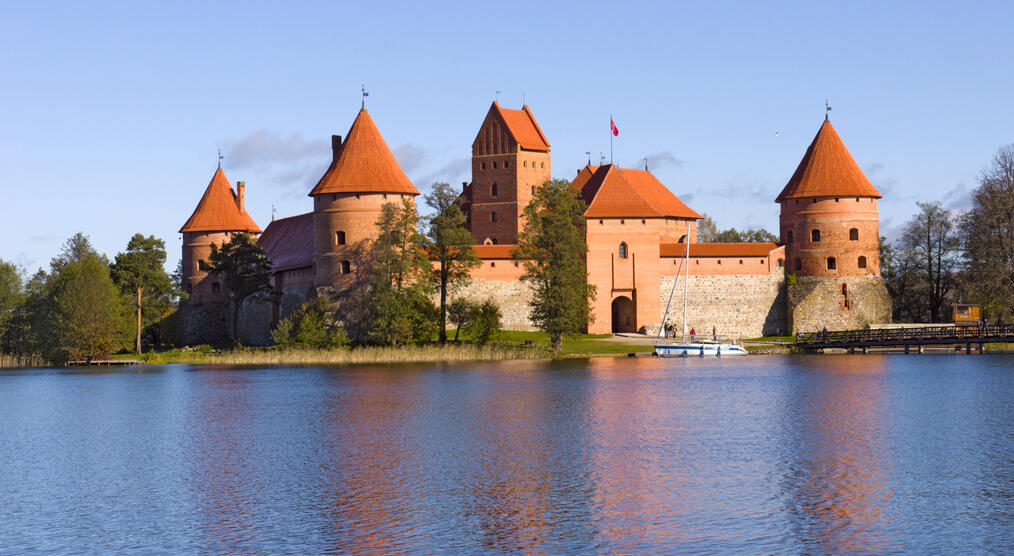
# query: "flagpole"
611,139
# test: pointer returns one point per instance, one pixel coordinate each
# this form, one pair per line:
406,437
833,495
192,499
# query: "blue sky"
112,114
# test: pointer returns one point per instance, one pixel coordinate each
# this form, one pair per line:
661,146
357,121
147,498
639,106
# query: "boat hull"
699,349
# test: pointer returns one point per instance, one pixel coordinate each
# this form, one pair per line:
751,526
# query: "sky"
112,115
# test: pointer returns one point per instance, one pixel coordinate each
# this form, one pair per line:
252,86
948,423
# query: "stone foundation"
816,303
730,305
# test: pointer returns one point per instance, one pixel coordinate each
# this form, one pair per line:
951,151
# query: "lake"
813,454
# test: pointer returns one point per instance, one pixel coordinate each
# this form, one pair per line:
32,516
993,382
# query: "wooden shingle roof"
218,210
612,192
364,164
827,170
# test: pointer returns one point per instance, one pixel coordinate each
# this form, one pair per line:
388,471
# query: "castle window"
202,265
506,164
494,165
492,265
862,262
799,264
623,250
339,238
741,261
525,164
385,195
533,190
492,217
857,199
854,234
831,263
845,289
601,222
719,261
815,200
642,221
781,263
334,197
215,288
543,164
493,190
515,263
836,199
483,165
814,235
357,197
493,241
346,267
622,222
788,236
797,201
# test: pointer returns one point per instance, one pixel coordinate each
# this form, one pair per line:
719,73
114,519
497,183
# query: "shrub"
313,326
484,322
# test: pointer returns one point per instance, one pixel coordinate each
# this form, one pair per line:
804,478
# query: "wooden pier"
908,339
105,362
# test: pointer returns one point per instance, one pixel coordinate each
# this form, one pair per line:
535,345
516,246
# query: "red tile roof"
523,127
493,251
288,242
717,249
218,212
364,164
827,170
582,177
612,192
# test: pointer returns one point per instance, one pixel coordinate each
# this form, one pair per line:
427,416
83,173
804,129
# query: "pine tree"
553,249
140,270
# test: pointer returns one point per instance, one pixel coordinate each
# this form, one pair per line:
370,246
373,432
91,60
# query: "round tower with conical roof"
220,213
347,202
830,226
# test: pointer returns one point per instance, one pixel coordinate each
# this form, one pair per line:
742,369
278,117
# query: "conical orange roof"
364,164
827,170
612,192
218,210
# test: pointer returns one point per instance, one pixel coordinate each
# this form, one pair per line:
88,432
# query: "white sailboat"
694,347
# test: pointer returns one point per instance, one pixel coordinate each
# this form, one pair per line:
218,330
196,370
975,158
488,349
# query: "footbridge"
908,338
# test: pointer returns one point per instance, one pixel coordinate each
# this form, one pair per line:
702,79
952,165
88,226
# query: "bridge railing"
927,334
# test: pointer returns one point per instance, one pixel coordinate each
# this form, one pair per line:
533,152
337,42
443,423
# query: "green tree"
931,241
707,231
450,245
459,312
484,322
552,248
898,270
11,294
312,325
399,309
140,271
987,234
245,271
90,314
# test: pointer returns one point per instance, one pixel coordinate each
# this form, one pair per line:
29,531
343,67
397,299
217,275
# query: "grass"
578,344
789,339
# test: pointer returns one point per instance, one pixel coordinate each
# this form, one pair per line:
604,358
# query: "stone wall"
512,296
816,303
203,323
733,306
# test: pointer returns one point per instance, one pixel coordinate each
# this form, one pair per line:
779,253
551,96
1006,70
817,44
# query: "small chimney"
336,146
240,195
464,186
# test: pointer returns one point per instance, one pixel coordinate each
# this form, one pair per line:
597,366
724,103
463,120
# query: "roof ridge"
535,123
636,190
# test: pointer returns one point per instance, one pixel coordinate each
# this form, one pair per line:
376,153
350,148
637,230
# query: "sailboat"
694,347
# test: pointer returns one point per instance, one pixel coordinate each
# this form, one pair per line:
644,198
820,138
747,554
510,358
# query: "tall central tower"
510,160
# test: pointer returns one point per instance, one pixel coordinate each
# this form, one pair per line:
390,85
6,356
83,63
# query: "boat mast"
686,279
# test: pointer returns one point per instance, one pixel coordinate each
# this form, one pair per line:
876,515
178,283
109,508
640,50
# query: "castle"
825,272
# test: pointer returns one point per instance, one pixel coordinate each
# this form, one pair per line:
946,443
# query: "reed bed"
407,354
16,361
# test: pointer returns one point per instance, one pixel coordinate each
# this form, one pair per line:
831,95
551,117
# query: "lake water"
814,454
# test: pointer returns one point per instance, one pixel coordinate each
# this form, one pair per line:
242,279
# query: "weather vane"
827,109
365,94
589,157
220,159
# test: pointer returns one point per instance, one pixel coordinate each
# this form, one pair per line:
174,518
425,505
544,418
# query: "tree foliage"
313,325
450,245
245,271
553,249
707,232
932,243
140,272
11,293
91,317
987,234
399,309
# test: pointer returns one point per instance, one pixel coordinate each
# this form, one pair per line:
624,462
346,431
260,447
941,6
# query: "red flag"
612,127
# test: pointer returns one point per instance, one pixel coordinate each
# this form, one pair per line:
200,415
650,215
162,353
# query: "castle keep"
824,273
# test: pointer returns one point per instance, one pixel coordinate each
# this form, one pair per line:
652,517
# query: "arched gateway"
623,315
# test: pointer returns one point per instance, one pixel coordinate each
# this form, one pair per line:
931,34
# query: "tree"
898,270
987,234
484,322
90,316
11,293
450,245
930,239
399,309
245,271
140,270
312,325
458,313
707,231
552,247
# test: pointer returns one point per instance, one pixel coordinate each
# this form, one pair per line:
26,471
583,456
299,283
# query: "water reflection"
836,484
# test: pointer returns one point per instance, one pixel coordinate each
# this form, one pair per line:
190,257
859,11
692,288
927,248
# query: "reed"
407,354
16,361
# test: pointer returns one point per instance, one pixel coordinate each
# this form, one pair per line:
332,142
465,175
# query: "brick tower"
347,201
510,159
220,212
830,227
